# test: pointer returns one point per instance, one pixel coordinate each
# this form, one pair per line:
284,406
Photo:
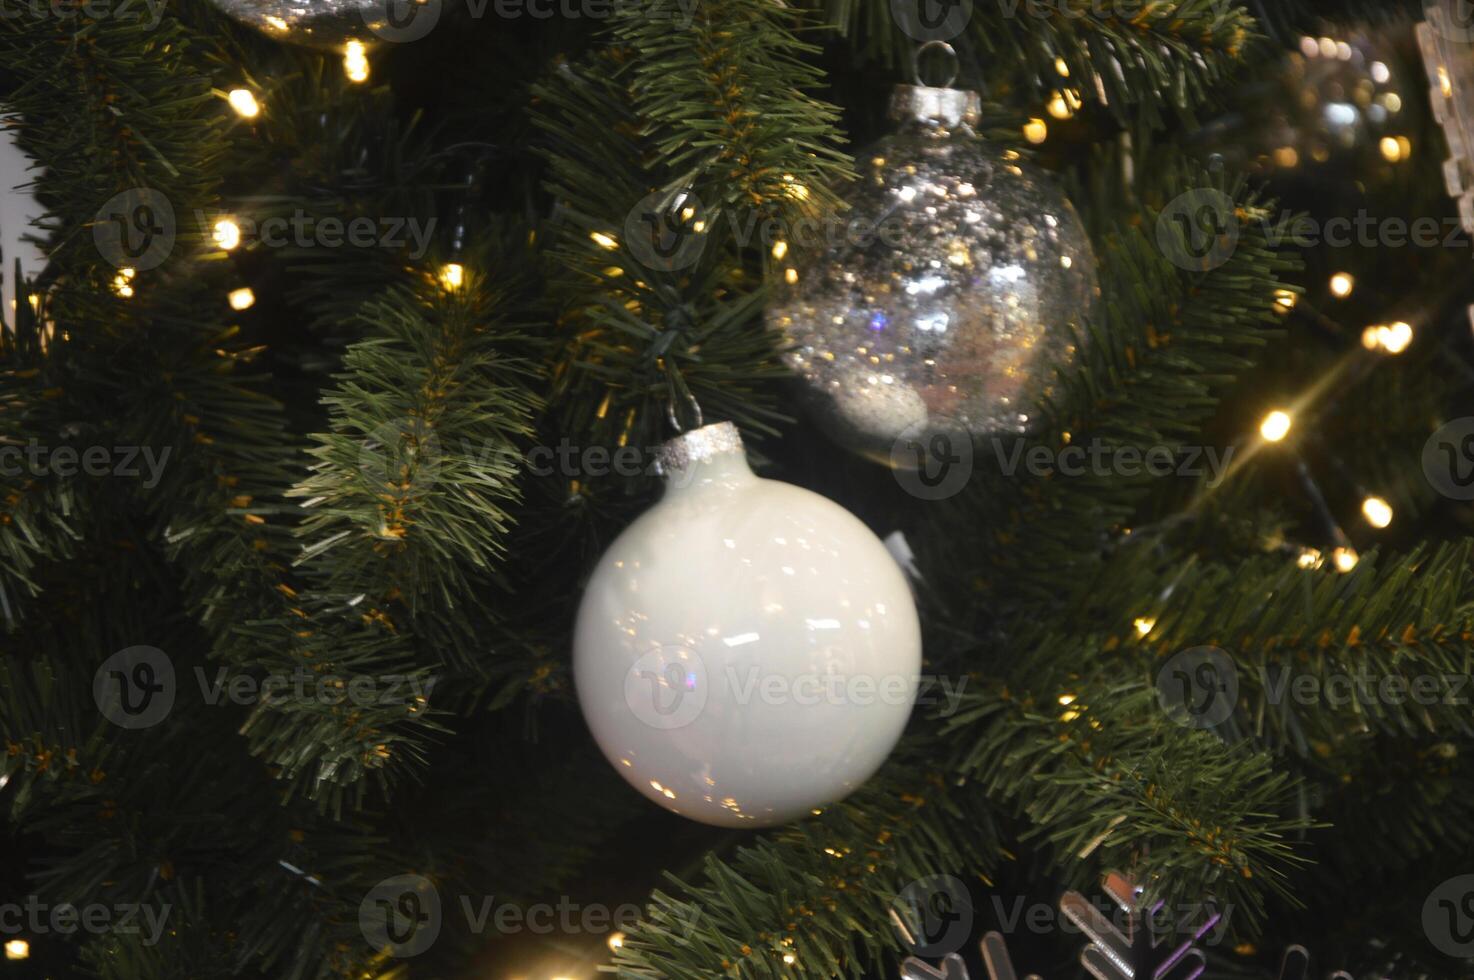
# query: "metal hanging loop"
951,54
672,415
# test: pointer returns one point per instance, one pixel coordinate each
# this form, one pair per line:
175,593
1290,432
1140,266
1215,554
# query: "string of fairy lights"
1377,340
226,231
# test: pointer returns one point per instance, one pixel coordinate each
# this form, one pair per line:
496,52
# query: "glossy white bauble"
746,651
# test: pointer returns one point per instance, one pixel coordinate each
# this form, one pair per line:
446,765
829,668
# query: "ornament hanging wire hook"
674,417
951,53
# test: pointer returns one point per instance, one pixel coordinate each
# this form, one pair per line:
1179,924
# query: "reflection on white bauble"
746,651
18,212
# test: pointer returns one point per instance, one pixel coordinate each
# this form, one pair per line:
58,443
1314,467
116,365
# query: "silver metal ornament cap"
925,103
698,446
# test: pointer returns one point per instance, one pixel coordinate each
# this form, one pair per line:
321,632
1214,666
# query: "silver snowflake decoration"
1137,949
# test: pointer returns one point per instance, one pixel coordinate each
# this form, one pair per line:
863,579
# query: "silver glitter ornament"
961,282
331,24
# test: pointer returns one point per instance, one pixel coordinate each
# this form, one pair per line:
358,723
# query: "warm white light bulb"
123,281
244,103
1396,337
227,234
1276,426
355,62
1036,130
17,949
1377,511
242,299
1342,283
1345,558
452,276
1143,624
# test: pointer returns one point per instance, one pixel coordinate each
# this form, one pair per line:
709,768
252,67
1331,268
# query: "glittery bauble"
333,23
958,283
1334,102
747,650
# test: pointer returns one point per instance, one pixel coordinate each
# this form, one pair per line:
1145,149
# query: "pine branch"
1397,619
414,483
724,104
818,892
1140,61
1095,768
642,341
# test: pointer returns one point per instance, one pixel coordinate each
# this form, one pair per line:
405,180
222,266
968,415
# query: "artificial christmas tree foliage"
380,556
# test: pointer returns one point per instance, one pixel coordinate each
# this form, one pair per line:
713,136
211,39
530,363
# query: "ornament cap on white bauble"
747,651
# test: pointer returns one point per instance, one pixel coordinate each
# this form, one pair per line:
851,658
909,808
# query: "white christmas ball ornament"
746,650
